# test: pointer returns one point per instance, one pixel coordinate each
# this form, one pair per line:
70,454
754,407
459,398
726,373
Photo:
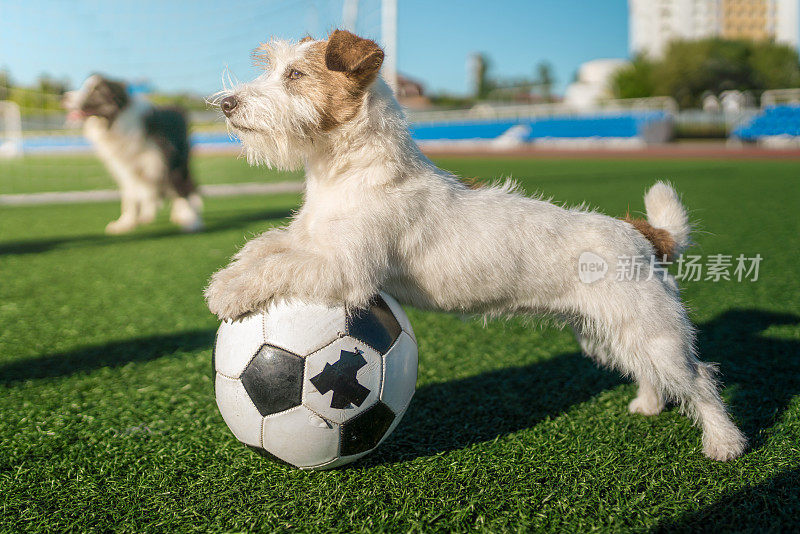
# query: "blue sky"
184,45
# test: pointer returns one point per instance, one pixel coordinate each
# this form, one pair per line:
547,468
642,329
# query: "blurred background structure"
654,24
724,70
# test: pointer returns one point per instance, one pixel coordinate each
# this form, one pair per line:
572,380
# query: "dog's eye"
294,74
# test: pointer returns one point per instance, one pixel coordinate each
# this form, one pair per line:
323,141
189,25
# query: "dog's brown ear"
306,39
355,56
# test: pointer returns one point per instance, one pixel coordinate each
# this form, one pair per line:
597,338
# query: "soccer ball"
315,386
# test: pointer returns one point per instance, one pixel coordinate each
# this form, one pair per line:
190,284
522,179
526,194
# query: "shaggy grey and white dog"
378,214
145,148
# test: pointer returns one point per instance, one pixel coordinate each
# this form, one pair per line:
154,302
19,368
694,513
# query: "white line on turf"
106,195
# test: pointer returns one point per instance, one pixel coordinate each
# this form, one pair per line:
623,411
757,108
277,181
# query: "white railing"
780,96
487,111
726,119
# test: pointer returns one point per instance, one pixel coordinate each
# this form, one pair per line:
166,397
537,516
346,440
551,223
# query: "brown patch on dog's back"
472,183
662,241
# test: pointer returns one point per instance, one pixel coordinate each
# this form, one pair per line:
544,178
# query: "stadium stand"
645,126
640,126
773,121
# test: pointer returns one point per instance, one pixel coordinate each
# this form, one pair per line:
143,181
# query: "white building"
654,23
594,83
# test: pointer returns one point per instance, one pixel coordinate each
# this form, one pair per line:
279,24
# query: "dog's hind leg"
657,348
591,346
665,362
186,213
648,401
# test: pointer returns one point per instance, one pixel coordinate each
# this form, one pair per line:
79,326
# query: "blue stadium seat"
773,120
614,125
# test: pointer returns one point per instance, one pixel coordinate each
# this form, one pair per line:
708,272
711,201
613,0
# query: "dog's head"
98,96
307,89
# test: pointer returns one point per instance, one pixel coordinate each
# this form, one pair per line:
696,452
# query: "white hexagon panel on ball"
238,410
400,374
301,438
302,328
237,342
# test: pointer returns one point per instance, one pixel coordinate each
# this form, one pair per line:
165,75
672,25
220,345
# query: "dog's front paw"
236,291
120,226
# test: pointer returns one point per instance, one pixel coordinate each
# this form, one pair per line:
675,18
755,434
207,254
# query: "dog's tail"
667,225
666,211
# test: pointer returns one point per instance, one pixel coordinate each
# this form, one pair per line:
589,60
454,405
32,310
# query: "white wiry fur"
378,214
265,104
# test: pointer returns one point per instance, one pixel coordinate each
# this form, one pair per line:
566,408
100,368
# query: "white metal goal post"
10,130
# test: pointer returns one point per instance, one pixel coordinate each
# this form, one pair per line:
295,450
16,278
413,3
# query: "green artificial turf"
108,421
37,174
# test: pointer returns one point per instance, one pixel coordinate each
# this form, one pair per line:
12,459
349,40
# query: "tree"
509,88
636,80
49,85
691,68
483,84
5,84
545,80
774,67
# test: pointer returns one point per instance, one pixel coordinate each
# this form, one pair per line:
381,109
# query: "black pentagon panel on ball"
341,378
375,326
366,430
274,380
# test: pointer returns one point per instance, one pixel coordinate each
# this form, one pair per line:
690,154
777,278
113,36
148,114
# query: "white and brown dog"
145,148
378,214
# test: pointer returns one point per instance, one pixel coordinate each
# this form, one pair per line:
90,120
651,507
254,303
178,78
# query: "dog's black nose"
228,104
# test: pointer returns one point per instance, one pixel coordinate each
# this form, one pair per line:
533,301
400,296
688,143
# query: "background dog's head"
98,96
307,89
